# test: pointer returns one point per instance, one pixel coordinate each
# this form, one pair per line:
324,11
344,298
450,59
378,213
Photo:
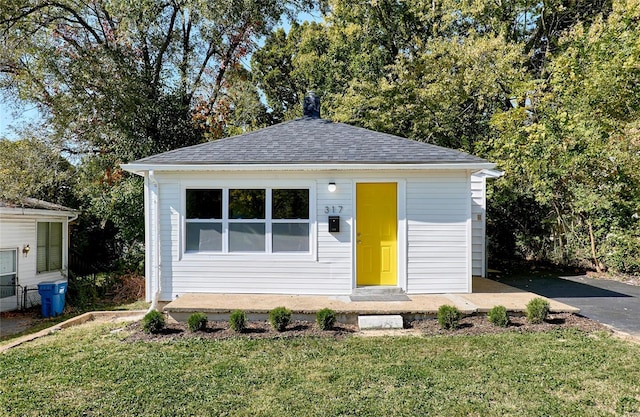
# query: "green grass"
44,323
89,370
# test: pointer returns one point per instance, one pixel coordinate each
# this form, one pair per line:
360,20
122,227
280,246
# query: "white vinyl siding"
434,235
16,232
438,210
324,269
478,212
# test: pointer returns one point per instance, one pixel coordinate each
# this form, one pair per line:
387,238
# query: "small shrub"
238,321
498,316
326,318
537,310
449,317
279,318
197,322
153,322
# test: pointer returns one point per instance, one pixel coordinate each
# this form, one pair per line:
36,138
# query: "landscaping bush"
326,318
498,315
279,318
238,321
449,317
153,322
537,310
197,322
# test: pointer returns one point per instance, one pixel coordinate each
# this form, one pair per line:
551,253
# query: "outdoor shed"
33,248
310,206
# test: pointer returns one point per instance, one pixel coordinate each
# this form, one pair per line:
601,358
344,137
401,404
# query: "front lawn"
91,370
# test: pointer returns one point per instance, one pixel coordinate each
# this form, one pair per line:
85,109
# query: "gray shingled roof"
33,203
312,141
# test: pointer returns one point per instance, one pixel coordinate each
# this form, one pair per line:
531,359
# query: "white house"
33,248
310,206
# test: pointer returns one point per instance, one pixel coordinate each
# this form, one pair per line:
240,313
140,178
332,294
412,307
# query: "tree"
530,84
115,74
574,145
406,68
31,168
120,80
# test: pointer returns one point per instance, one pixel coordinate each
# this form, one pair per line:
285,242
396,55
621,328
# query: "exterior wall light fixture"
332,187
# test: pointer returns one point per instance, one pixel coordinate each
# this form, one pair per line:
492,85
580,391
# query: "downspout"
155,265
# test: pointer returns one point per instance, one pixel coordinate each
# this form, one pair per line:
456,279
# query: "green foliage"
467,76
498,315
326,318
548,90
153,322
537,310
620,250
117,81
279,318
197,322
32,168
82,292
571,148
449,317
238,321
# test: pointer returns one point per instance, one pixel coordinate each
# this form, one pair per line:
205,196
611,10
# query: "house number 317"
332,209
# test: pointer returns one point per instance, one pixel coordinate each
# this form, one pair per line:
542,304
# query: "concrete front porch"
486,294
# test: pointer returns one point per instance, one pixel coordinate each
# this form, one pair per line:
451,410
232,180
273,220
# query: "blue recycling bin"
52,295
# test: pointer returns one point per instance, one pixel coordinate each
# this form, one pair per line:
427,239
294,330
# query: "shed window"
8,272
247,220
49,253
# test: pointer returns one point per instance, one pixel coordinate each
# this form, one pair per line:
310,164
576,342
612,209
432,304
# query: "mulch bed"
254,330
470,325
476,325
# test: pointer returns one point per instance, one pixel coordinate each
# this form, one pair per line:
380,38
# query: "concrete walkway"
102,316
486,294
612,303
15,324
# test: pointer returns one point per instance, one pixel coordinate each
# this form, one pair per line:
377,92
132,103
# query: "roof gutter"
489,173
140,169
20,211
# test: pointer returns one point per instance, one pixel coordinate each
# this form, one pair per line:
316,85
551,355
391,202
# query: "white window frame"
267,221
14,273
48,246
225,203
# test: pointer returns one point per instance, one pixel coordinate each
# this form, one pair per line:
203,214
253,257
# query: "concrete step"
378,290
379,293
380,322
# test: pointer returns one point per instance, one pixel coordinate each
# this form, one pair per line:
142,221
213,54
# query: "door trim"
401,244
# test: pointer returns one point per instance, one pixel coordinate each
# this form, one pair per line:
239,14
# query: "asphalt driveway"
609,302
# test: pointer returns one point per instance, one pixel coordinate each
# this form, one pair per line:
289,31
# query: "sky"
12,118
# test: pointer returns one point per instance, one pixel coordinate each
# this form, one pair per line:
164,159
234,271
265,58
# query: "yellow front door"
376,234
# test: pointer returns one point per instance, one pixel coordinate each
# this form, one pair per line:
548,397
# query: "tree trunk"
592,238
